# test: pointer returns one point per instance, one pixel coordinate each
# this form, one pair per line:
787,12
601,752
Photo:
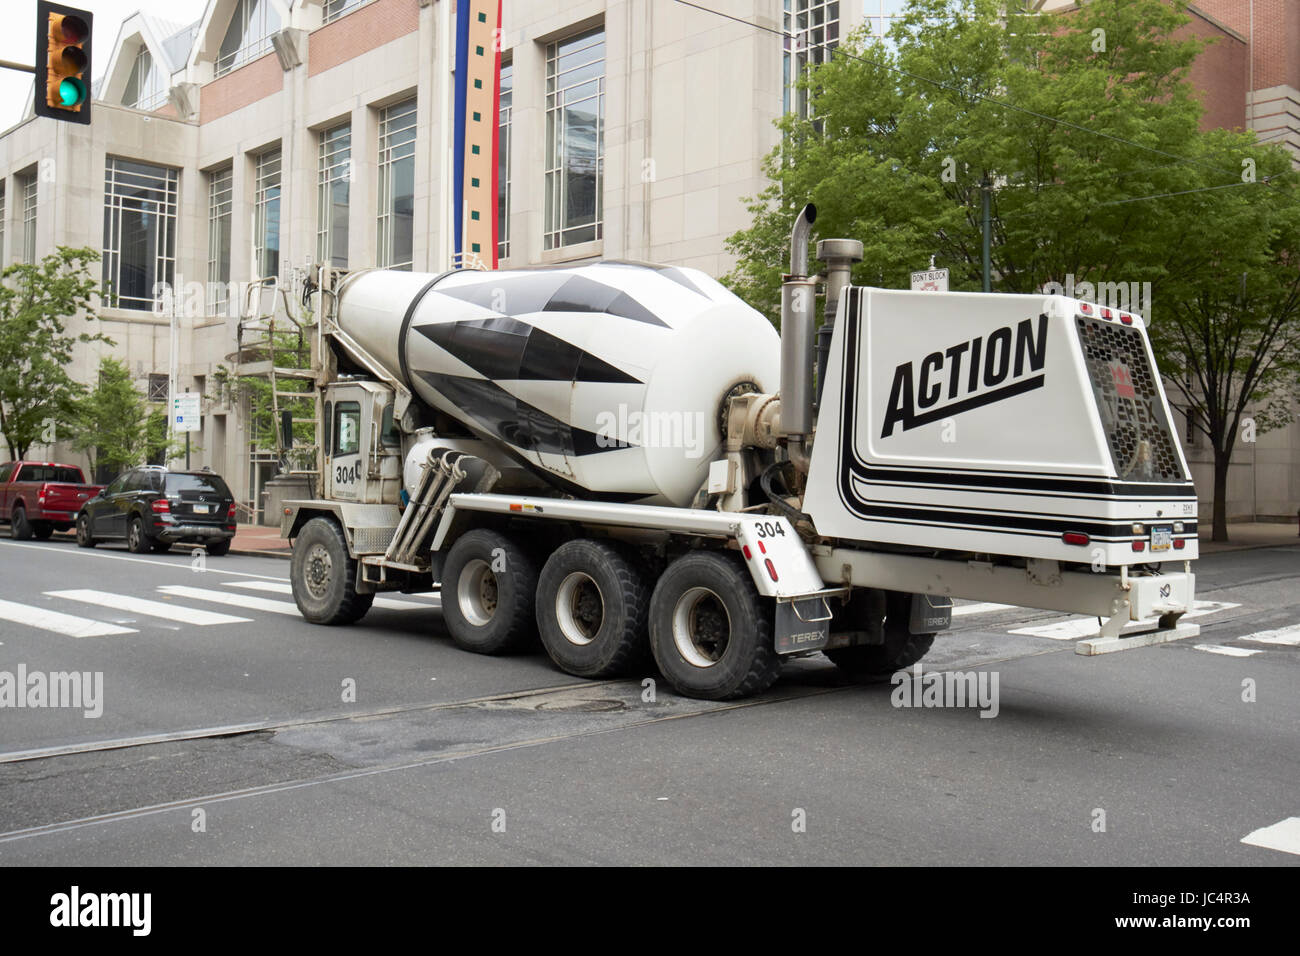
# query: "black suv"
154,508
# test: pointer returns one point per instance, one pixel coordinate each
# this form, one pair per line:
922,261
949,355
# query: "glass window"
396,186
333,169
5,472
145,87
388,432
219,212
327,421
249,34
812,29
139,232
266,215
118,484
178,484
27,184
347,428
337,8
58,473
575,139
503,160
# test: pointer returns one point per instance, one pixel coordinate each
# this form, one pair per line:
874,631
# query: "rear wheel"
592,602
323,575
41,530
488,587
137,539
900,649
162,547
20,529
84,538
710,630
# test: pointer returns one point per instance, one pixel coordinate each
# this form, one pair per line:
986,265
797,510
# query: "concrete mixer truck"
628,462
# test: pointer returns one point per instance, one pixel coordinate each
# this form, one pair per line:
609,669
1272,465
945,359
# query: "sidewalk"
256,539
1250,534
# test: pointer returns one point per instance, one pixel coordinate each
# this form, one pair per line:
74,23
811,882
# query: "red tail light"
1075,537
161,506
1139,545
1179,544
771,569
1126,319
1085,308
230,512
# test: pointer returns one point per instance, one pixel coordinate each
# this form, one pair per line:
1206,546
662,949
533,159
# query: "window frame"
559,231
331,157
393,149
267,195
159,216
220,222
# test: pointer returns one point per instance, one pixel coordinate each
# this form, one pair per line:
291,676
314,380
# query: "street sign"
934,280
187,412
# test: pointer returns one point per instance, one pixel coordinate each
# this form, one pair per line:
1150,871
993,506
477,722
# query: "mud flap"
930,613
802,624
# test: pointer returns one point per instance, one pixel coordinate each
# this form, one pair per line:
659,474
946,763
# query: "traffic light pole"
21,67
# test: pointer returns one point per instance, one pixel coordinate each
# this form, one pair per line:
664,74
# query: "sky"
17,40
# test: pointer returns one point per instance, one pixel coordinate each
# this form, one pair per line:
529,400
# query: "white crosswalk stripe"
981,608
278,588
134,605
247,601
1076,627
1282,635
69,625
1284,836
1227,651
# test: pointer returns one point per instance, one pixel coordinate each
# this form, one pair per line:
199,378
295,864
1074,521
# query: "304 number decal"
347,474
769,529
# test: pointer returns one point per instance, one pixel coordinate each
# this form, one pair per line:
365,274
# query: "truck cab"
362,451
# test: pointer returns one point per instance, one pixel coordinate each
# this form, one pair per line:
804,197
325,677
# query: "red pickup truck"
38,498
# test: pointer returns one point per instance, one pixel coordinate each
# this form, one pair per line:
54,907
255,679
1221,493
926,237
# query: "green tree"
1043,111
111,422
38,397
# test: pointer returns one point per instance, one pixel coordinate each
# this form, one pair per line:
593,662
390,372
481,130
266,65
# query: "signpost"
187,411
933,280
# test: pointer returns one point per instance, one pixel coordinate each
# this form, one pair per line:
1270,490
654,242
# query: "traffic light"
63,62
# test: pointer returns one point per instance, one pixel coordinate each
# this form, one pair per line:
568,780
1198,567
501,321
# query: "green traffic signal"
71,92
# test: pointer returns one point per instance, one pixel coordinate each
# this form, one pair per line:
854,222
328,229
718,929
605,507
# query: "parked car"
152,508
38,498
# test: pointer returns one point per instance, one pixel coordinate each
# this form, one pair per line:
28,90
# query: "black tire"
592,605
901,648
20,529
41,530
219,548
710,630
323,575
489,584
137,538
162,547
84,537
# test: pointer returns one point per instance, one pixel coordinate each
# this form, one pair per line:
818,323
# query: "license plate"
1162,538
202,509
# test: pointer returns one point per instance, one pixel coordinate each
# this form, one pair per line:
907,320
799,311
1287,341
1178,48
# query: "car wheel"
324,575
137,540
41,530
84,537
20,528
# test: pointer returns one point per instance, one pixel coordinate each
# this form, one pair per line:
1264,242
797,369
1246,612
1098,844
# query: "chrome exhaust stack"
839,256
798,311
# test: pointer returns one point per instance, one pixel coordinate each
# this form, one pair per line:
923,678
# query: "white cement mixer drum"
606,379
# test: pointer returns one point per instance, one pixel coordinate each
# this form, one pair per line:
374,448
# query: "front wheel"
710,630
84,538
137,539
323,575
488,588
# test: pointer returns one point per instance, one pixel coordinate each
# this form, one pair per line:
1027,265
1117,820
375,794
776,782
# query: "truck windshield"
50,473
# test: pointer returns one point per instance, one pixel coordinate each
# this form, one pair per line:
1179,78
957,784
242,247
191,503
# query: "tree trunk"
1221,461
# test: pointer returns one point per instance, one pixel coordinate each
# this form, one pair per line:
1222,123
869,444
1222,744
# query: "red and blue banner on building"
474,150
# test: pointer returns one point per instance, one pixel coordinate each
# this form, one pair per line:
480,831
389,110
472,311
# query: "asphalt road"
444,757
